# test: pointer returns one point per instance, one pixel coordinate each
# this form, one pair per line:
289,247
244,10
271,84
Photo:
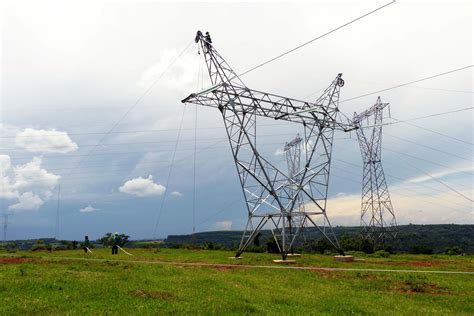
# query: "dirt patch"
13,260
327,274
420,287
224,268
162,295
430,263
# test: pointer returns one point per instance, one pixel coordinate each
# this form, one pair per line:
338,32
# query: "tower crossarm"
243,99
229,91
376,108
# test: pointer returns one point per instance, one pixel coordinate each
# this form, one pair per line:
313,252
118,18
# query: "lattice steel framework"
296,219
5,225
270,193
377,215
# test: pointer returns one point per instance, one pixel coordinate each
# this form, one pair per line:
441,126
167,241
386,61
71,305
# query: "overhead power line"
160,210
314,39
134,143
408,83
435,132
110,144
130,132
403,181
438,180
429,161
420,117
429,147
134,105
414,197
130,109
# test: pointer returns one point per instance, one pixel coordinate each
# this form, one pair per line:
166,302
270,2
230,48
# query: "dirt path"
224,265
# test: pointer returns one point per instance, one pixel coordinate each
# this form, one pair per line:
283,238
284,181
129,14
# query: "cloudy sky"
75,115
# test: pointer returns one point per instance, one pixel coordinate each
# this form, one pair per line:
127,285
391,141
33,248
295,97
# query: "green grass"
39,286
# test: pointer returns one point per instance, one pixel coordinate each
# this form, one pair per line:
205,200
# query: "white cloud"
29,183
7,191
27,201
142,187
88,209
5,163
223,225
50,141
176,193
31,176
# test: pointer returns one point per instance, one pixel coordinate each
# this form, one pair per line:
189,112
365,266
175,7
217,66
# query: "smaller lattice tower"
5,225
296,218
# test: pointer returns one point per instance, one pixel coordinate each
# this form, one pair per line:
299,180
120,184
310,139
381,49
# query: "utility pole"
264,186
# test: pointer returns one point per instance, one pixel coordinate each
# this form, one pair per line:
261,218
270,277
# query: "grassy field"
67,282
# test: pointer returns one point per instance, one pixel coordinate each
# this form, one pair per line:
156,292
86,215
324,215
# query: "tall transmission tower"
377,215
265,187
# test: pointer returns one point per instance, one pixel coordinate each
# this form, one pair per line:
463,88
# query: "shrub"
109,239
318,246
381,254
454,251
254,248
40,246
271,245
422,249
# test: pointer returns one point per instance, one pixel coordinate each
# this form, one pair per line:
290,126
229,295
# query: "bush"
381,254
454,251
257,249
59,247
271,245
109,239
40,246
208,245
355,253
422,249
356,243
317,246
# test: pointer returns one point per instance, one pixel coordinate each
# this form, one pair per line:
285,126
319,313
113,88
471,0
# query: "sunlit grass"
37,286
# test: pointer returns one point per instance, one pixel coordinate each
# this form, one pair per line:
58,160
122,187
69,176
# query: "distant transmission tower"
297,215
269,198
377,215
5,225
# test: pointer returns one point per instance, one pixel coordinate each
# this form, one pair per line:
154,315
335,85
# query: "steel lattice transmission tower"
377,215
269,198
297,219
5,225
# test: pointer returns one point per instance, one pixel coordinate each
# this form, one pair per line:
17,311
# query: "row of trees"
350,243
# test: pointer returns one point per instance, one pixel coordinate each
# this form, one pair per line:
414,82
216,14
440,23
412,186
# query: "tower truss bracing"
377,215
271,194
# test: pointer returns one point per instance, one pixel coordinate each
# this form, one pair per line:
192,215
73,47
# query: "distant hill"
437,237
